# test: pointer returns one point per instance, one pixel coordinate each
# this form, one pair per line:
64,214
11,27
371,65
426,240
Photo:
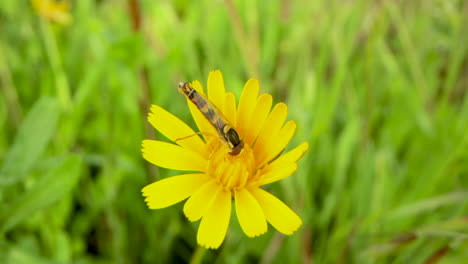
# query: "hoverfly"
225,130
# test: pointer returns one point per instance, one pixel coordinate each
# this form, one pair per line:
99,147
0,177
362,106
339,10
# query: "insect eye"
232,136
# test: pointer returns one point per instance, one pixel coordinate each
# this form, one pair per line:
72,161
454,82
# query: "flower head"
57,11
219,175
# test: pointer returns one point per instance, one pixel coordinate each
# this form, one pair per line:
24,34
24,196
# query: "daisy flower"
215,176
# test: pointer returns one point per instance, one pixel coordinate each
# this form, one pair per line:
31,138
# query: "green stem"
249,51
8,87
61,80
197,257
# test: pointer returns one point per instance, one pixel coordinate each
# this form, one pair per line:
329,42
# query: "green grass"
378,89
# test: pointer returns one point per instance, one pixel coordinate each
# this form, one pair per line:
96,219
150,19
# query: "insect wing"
225,130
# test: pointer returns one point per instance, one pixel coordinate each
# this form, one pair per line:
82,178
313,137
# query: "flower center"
232,172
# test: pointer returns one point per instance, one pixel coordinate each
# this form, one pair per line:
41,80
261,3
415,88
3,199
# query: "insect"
225,130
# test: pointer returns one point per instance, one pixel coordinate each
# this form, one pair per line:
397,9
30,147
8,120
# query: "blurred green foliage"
378,88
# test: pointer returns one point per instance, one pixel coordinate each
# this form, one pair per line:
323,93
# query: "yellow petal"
198,87
216,91
271,127
172,190
200,201
290,157
176,130
246,106
278,173
279,215
63,5
215,222
171,156
250,214
230,108
280,141
203,124
262,108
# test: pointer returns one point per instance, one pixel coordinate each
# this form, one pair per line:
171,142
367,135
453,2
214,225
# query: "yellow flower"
220,176
56,11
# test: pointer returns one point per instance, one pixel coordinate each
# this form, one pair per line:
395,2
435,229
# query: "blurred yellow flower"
56,11
219,176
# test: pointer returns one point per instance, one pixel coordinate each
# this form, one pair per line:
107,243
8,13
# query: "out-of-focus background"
378,89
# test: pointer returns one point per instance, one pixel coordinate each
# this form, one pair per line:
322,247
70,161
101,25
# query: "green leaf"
59,182
32,138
